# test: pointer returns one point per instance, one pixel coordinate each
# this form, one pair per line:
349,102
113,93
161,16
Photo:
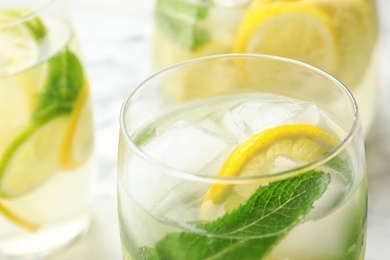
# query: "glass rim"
171,170
28,16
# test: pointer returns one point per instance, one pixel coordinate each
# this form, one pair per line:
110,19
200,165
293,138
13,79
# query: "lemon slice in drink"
77,144
269,151
20,216
19,48
355,25
292,30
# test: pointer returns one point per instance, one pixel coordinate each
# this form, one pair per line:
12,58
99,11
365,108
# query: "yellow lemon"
356,30
290,29
77,144
269,151
20,217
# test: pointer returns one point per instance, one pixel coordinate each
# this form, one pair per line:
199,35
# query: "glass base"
47,242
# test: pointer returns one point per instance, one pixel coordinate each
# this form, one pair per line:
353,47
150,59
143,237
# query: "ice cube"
248,118
186,146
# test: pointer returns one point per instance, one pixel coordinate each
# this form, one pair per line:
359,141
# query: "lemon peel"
76,146
299,142
15,218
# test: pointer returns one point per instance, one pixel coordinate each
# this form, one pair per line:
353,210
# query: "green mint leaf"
148,253
35,25
145,136
64,81
268,214
189,246
37,28
179,21
272,209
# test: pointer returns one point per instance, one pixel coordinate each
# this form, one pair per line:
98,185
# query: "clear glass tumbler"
46,138
337,36
267,162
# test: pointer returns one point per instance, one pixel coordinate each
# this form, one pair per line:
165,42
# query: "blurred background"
115,37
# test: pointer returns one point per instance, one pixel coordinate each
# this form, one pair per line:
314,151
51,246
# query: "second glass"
337,36
46,137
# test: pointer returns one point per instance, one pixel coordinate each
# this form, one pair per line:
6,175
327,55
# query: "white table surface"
115,36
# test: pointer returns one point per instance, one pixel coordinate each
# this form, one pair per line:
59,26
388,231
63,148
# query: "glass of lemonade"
337,36
46,137
259,157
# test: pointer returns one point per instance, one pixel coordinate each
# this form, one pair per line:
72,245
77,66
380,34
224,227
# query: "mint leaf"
189,246
148,253
34,25
266,218
37,28
64,81
145,136
179,21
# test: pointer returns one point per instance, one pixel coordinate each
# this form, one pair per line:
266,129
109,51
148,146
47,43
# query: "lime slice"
292,30
19,42
77,144
269,151
21,167
12,97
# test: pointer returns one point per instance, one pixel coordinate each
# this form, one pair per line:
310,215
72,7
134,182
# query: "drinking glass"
337,36
46,137
263,160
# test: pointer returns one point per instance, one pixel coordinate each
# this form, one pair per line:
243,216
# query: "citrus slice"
270,151
77,144
355,25
21,167
20,217
12,97
19,42
292,30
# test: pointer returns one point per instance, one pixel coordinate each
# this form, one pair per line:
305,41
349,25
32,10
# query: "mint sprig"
266,218
179,21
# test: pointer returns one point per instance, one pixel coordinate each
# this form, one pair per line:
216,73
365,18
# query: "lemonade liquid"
186,29
163,215
46,157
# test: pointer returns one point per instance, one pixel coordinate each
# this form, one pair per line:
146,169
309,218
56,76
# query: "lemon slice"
292,30
77,144
21,167
19,45
355,25
20,217
269,151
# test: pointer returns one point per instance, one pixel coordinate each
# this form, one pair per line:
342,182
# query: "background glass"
169,157
337,36
46,141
